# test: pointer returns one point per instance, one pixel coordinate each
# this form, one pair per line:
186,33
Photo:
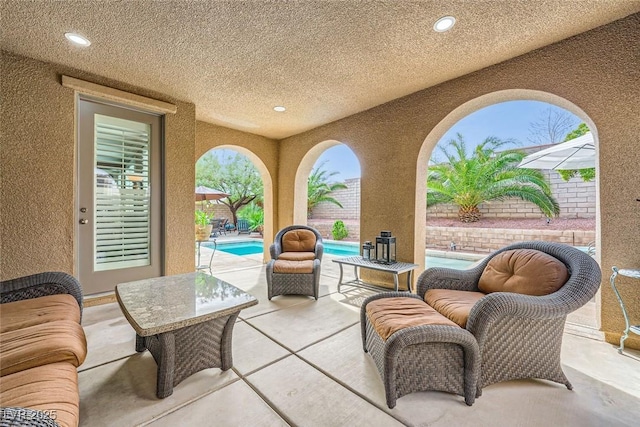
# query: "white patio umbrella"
578,153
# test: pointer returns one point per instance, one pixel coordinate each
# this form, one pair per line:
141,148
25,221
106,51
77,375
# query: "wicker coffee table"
185,321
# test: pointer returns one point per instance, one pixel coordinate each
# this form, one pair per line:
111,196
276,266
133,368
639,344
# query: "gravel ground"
588,224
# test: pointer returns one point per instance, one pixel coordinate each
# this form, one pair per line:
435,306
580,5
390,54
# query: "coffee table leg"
166,364
340,279
395,281
140,344
226,358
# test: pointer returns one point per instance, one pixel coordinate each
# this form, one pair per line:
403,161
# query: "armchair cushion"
30,312
389,315
46,343
297,256
295,267
299,240
455,305
523,271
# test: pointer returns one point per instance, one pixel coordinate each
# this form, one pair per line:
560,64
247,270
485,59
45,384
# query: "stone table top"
167,303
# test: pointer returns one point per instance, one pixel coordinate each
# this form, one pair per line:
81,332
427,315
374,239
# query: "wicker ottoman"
293,278
417,349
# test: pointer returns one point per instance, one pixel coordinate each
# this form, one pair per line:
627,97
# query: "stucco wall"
38,171
263,152
595,73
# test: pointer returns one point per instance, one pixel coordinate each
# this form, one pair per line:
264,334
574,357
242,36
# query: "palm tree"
319,188
485,175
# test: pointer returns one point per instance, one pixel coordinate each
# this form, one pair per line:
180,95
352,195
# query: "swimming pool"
337,249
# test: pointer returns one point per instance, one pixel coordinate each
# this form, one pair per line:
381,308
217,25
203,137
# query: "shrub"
339,230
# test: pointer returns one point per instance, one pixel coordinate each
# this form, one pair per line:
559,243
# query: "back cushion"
523,271
299,241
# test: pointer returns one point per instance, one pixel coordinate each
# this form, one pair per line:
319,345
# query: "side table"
357,262
635,329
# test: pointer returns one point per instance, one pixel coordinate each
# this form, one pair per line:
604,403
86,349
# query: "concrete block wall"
350,200
490,239
577,199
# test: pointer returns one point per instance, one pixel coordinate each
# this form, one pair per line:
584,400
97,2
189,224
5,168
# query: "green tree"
235,175
469,179
587,174
319,188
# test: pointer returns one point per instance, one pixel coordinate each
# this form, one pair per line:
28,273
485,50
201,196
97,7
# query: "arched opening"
329,157
473,106
267,183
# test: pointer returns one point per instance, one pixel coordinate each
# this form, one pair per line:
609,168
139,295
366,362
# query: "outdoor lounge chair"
294,268
243,226
519,335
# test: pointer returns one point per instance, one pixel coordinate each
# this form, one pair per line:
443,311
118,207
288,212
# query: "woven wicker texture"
294,283
41,284
420,358
188,350
24,417
520,336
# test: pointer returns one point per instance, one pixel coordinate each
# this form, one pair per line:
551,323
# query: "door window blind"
122,193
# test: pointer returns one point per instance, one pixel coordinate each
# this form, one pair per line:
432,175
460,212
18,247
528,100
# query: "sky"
505,120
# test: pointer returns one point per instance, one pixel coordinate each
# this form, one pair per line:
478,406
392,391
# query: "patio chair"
519,334
215,227
243,226
294,268
222,226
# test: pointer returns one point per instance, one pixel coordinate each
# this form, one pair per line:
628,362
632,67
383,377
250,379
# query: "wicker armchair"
295,264
520,336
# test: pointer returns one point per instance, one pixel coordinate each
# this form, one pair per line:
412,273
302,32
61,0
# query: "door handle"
84,221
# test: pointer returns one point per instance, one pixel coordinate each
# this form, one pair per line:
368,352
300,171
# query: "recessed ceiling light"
443,24
279,108
77,39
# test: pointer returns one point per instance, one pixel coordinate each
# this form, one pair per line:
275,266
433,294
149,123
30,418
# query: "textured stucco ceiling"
323,60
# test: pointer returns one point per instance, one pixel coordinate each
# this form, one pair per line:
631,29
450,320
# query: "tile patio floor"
299,362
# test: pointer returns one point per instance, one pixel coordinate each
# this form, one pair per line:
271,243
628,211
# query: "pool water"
252,248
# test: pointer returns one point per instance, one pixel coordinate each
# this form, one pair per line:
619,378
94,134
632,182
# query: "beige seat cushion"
297,256
295,267
455,305
300,240
51,342
523,271
48,388
29,312
389,315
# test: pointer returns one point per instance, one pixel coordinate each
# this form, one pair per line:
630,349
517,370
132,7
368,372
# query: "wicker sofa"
41,345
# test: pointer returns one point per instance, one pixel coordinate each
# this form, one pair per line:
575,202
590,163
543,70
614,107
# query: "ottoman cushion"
389,315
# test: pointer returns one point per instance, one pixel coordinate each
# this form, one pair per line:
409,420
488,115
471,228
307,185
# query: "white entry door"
119,196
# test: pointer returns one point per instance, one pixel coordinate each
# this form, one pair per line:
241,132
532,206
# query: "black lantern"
385,248
367,249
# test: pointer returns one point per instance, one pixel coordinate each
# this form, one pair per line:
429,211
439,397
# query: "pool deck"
582,322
